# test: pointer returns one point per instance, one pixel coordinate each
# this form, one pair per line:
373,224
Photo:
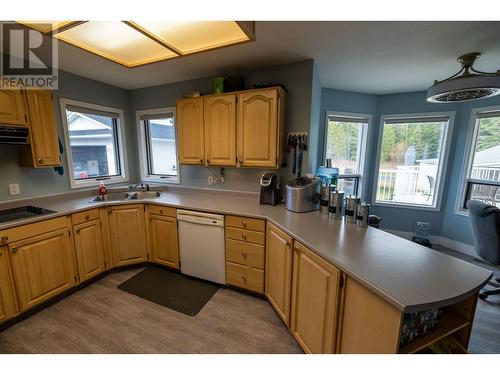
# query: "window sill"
407,206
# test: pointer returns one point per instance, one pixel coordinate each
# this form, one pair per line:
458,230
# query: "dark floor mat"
170,289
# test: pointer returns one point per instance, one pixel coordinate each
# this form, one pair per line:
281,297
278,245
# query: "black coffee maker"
269,189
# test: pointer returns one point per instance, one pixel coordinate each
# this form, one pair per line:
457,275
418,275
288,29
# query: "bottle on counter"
351,207
102,190
363,215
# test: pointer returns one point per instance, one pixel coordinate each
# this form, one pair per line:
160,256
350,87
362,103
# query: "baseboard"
439,240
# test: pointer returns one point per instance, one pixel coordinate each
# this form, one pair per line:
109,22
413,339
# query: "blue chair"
485,220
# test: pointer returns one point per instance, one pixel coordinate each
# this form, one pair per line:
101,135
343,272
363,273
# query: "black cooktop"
22,213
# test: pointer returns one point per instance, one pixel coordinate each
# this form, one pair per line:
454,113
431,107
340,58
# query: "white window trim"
362,143
442,167
143,159
122,154
470,146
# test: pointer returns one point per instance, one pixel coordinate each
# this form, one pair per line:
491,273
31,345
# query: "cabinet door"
315,301
279,271
190,131
44,266
219,118
43,128
128,234
8,307
258,128
163,241
12,107
89,249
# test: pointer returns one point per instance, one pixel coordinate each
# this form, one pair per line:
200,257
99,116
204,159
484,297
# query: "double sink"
129,195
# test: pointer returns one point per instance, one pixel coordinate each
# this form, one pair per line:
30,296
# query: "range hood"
15,135
467,84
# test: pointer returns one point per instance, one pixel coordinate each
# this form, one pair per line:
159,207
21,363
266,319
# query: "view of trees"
342,145
489,133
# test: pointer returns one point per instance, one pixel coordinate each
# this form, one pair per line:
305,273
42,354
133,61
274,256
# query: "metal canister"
363,215
336,204
351,207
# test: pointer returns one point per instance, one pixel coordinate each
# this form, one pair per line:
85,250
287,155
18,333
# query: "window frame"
442,166
361,155
144,148
120,138
470,148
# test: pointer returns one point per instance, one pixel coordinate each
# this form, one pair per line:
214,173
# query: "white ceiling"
369,57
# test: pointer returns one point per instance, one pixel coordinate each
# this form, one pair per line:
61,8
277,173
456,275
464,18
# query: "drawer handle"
110,211
77,231
4,239
244,224
161,212
244,236
87,217
244,254
244,278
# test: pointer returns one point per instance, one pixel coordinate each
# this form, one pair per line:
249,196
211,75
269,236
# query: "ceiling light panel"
114,40
194,36
46,26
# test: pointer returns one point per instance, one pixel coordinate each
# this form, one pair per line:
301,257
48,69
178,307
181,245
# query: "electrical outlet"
14,189
211,180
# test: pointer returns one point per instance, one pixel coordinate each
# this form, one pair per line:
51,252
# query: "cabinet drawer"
162,210
82,217
245,277
245,235
245,253
245,223
30,230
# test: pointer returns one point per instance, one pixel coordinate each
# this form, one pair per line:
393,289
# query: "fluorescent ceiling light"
47,26
114,40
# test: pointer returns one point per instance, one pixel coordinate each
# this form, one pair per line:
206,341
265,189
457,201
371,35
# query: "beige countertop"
409,276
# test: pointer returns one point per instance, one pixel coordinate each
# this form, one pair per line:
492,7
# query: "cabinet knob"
244,224
40,160
244,254
244,236
161,212
14,250
208,161
244,278
77,231
110,211
201,161
87,217
4,239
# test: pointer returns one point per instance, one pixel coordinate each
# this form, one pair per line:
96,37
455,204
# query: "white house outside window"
482,180
411,160
345,142
94,143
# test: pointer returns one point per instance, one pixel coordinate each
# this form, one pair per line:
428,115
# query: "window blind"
488,114
416,120
157,116
357,120
90,111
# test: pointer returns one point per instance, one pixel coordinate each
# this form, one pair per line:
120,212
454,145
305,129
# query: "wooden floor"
103,319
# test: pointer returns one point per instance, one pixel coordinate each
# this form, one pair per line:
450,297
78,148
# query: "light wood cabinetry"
219,118
279,271
13,108
128,234
245,254
8,303
43,150
44,266
260,128
315,301
163,242
190,132
89,246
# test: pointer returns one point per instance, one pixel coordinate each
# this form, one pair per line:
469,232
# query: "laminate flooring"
104,319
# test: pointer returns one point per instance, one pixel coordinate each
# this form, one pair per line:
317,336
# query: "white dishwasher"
201,245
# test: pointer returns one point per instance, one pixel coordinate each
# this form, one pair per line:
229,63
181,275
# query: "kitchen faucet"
134,187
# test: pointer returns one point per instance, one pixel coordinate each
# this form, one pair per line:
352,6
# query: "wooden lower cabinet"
163,243
315,301
128,234
89,247
43,267
279,271
245,277
8,305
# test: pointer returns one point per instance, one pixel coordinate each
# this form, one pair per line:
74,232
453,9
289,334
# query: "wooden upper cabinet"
13,108
259,129
190,131
8,307
163,241
219,118
89,244
44,266
315,301
128,234
44,148
279,271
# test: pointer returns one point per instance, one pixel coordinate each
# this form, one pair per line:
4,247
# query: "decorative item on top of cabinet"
43,150
316,294
163,243
219,118
261,115
13,108
8,301
190,131
128,234
279,271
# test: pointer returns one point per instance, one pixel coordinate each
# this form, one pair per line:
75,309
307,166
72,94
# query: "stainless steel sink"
115,197
145,194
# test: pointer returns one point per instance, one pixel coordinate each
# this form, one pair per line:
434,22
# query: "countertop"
407,275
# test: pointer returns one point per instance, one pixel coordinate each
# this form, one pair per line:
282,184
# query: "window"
94,143
482,180
411,159
344,145
158,149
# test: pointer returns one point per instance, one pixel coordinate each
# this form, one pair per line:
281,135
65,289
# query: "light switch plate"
14,189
